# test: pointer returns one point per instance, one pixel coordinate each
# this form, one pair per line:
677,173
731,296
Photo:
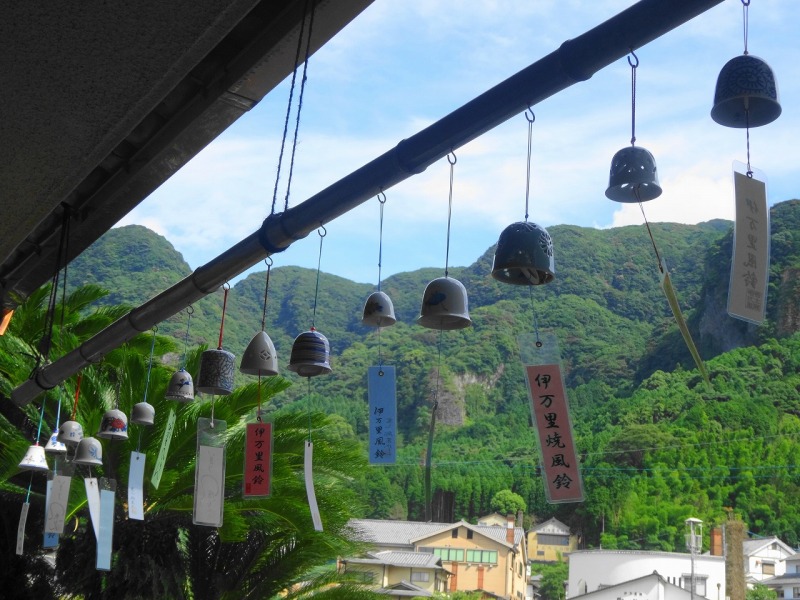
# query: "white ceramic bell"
444,305
114,425
181,387
143,413
34,459
89,452
378,311
70,433
260,357
53,446
217,368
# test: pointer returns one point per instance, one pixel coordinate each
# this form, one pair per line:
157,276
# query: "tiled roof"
402,533
399,558
554,522
751,547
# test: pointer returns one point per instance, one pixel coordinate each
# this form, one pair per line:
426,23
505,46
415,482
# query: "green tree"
553,577
761,592
507,502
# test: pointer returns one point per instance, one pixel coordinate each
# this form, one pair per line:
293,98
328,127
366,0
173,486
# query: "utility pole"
694,543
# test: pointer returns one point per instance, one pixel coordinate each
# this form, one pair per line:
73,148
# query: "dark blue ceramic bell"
524,255
310,354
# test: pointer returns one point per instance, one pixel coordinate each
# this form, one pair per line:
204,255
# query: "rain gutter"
574,61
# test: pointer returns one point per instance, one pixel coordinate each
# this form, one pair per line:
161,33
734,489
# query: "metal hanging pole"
574,61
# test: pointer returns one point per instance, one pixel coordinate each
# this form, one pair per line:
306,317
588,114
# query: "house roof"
654,574
404,534
404,588
551,522
400,558
782,580
752,547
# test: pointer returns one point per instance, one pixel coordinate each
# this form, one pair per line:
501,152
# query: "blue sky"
403,64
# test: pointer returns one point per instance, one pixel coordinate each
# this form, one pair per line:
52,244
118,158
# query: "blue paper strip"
105,534
382,415
50,539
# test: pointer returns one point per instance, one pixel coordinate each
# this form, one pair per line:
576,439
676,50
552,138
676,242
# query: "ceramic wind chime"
746,96
181,386
217,367
142,414
444,302
378,309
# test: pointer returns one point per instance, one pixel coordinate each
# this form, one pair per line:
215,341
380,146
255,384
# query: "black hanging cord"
299,106
268,262
61,258
190,312
381,201
322,233
449,210
649,231
633,94
530,120
746,20
747,129
289,106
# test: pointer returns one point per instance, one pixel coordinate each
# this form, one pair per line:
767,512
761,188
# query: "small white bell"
34,459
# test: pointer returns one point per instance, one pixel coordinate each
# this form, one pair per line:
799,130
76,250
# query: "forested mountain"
657,444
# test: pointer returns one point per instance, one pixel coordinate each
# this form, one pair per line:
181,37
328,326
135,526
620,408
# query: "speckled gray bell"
378,311
114,425
310,354
70,433
524,255
746,94
89,452
181,387
143,413
633,176
260,357
34,459
217,368
444,305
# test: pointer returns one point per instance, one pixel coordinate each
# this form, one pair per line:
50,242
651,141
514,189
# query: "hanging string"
535,317
308,395
299,105
530,120
258,409
268,262
322,233
649,232
47,337
190,312
747,129
226,286
149,364
289,107
30,485
449,211
633,94
41,419
77,395
381,202
746,20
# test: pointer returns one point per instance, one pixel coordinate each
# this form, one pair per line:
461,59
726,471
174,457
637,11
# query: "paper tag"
257,478
382,414
50,539
155,479
135,486
23,518
209,475
59,499
93,499
105,530
309,474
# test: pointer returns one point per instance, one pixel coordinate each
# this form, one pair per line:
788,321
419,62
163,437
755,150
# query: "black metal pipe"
574,61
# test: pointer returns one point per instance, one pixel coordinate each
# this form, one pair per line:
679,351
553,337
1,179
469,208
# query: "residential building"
591,570
550,541
400,573
764,558
475,557
787,585
647,587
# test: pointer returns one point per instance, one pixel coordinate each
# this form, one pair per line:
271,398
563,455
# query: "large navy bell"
310,354
746,94
524,255
181,386
217,368
444,305
260,357
633,176
378,311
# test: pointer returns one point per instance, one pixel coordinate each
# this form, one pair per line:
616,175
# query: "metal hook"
453,154
268,261
746,2
532,118
190,310
226,286
633,65
382,197
323,232
155,329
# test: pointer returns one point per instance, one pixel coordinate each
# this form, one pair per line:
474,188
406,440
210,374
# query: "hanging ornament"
260,357
633,176
53,446
89,452
524,252
378,309
181,386
311,351
143,412
114,425
71,432
217,366
746,94
34,459
444,302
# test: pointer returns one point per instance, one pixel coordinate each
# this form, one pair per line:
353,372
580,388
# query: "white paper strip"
105,534
208,491
50,539
23,518
57,509
93,499
135,486
312,497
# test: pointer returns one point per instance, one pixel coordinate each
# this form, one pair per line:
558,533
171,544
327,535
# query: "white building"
764,558
787,585
648,587
592,570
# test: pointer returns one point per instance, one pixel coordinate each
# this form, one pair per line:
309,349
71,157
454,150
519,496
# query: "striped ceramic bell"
34,459
310,354
217,368
444,305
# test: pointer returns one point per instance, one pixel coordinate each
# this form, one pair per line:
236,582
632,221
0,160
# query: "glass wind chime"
746,96
381,379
